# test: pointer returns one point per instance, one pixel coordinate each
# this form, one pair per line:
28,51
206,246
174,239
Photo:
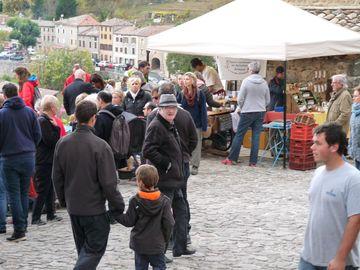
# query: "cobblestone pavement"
242,218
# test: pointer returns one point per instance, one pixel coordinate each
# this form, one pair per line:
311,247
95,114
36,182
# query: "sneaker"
252,165
228,162
17,237
194,170
38,222
55,218
188,240
168,259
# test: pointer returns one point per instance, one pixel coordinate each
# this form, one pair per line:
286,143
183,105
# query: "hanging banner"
236,69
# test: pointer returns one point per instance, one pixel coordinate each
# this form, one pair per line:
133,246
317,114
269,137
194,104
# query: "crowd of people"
34,145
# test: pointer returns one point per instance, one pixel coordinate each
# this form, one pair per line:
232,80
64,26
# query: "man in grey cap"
162,148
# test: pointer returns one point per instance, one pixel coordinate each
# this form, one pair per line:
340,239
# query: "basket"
306,119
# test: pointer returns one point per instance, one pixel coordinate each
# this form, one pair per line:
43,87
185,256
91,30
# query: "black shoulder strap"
108,113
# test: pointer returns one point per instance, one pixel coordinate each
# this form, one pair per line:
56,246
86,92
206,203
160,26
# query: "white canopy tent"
258,29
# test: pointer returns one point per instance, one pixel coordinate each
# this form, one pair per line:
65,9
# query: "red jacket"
27,92
60,125
69,80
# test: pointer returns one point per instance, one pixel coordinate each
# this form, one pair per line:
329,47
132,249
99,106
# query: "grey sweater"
254,94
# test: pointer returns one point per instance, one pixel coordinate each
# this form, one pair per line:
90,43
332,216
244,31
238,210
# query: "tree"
68,8
37,8
25,31
181,62
15,6
57,66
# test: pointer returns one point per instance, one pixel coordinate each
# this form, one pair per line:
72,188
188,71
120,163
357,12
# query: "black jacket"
161,147
50,136
72,91
152,220
84,174
187,131
136,106
104,122
276,87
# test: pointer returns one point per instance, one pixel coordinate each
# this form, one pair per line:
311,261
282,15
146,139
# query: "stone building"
107,29
47,34
89,40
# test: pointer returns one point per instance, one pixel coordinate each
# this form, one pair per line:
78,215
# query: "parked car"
17,57
102,64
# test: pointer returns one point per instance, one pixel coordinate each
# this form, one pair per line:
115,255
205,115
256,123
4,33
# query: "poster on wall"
236,69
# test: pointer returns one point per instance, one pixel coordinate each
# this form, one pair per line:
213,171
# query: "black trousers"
180,215
45,190
184,192
91,235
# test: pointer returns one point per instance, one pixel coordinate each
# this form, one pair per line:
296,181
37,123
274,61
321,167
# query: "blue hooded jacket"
19,129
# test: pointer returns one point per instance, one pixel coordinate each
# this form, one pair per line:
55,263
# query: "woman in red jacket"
27,84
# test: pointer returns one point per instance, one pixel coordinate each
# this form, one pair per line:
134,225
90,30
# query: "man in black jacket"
84,183
277,88
187,132
75,89
162,148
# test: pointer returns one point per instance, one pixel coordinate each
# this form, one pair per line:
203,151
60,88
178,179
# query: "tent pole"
284,115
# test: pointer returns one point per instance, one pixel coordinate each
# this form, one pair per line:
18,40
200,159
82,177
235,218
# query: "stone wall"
324,3
303,70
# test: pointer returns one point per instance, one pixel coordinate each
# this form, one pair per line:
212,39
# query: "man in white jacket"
253,98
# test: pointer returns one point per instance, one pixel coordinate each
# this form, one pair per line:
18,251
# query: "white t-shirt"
334,197
212,78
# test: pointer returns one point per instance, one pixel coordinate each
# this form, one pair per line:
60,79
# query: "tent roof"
258,29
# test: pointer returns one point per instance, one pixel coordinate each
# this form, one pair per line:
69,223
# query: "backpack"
120,135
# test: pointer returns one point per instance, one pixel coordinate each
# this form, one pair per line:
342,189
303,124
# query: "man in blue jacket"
19,135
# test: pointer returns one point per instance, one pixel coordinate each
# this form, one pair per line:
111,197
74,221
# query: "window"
110,37
48,38
121,40
121,50
133,50
120,60
116,49
125,50
84,43
58,31
105,36
132,62
58,41
101,30
90,44
133,40
117,39
53,39
95,38
63,31
95,45
101,36
106,57
126,40
79,43
52,30
71,41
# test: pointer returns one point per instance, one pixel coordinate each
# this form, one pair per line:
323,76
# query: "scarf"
356,109
190,96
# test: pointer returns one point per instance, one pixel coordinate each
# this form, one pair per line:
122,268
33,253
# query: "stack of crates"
301,157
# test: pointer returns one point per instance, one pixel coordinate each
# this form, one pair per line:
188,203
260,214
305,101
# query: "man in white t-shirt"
331,238
210,75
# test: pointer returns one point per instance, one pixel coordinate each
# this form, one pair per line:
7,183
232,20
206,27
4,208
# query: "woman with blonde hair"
44,159
117,97
193,100
135,98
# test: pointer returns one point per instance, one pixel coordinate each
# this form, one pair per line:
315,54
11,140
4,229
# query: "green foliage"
37,8
68,8
7,78
24,30
181,62
57,66
4,36
15,6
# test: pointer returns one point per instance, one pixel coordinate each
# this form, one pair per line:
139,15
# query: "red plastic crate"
302,166
300,147
301,158
301,132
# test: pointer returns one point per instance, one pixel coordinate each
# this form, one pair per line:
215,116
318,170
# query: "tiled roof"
90,31
44,23
82,20
128,30
116,22
152,30
348,17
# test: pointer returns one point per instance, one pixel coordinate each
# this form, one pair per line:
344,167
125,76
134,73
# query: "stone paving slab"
242,218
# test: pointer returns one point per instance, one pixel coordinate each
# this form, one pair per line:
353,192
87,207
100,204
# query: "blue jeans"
3,203
304,265
255,121
16,172
357,164
156,261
